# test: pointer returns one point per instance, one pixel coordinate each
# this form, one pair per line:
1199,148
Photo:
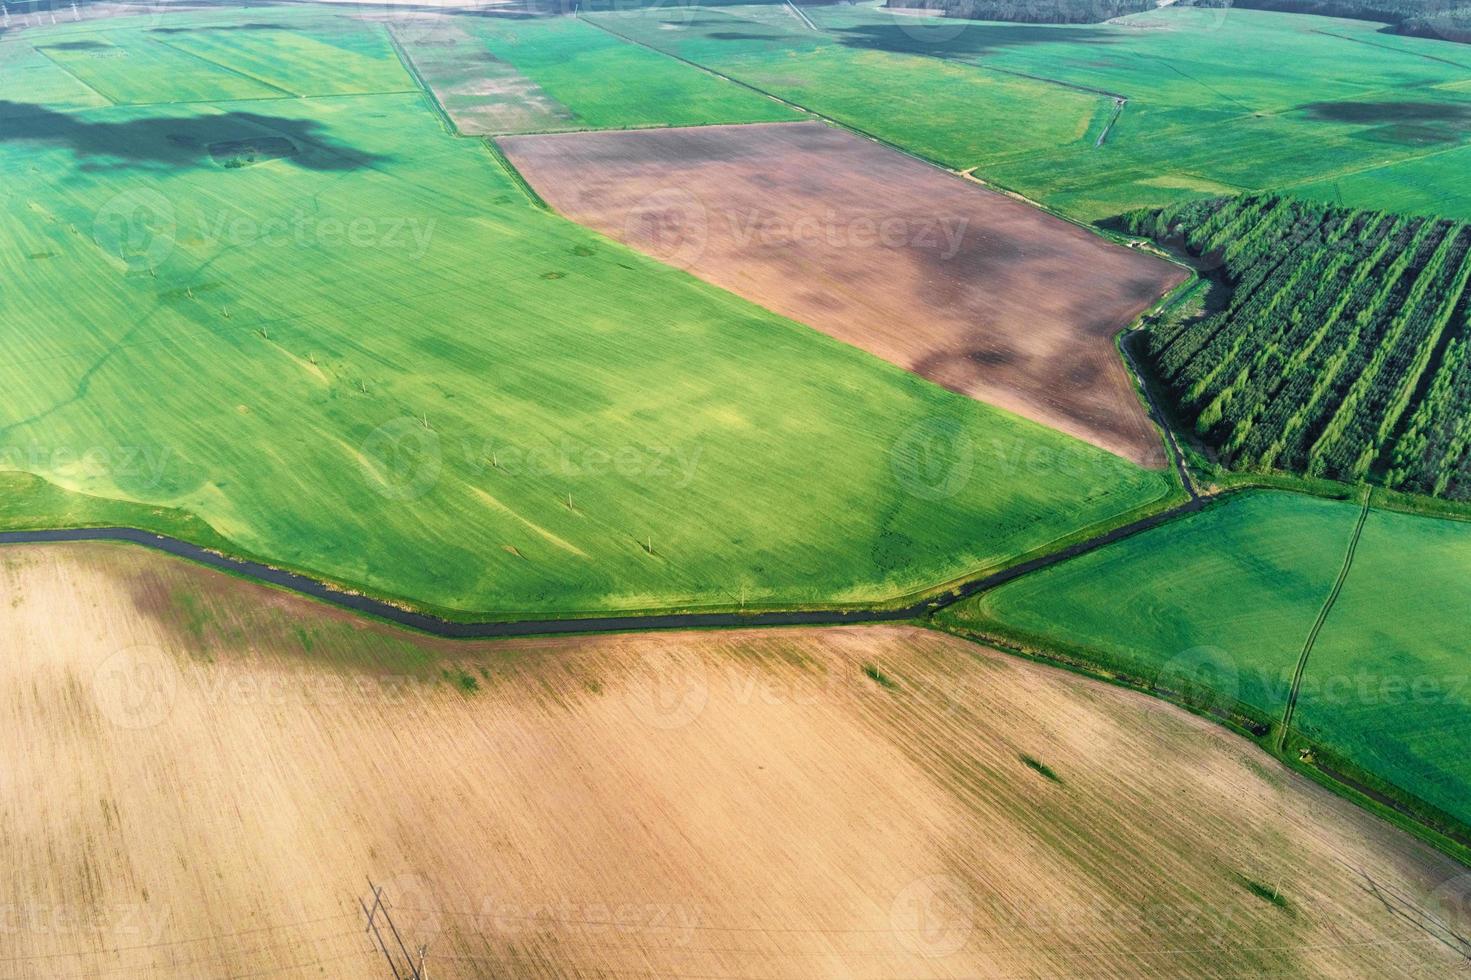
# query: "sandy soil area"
481,94
970,288
199,775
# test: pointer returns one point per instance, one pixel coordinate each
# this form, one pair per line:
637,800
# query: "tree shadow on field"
216,28
956,38
75,46
174,142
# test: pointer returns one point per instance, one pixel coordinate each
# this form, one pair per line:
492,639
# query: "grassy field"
1389,682
508,75
1220,605
788,804
1217,100
347,342
1222,599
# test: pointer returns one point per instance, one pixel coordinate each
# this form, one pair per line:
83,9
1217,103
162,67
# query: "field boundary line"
41,50
1156,411
1387,47
967,174
1312,638
406,62
913,606
515,175
800,15
724,77
226,68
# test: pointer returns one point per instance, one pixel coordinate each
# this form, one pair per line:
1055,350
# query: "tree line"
1032,11
1341,348
1448,19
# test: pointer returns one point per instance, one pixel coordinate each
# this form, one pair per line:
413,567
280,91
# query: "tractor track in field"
1323,613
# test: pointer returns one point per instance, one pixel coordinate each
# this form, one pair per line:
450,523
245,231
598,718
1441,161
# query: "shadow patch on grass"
1266,893
883,680
1041,768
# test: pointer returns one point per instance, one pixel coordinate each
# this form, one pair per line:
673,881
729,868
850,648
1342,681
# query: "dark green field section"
1216,610
327,333
1341,350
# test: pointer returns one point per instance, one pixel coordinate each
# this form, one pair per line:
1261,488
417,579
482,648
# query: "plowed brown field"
970,288
197,775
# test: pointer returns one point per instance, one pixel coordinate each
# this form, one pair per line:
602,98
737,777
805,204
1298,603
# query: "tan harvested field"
970,288
199,774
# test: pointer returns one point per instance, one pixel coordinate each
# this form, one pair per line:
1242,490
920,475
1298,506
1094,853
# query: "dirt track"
199,773
969,288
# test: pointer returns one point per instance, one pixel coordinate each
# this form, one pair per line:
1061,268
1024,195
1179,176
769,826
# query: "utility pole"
388,940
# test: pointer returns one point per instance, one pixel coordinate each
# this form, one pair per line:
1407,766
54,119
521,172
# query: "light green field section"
360,351
1217,100
1230,592
137,68
1389,681
1228,597
23,69
948,111
605,83
1430,184
282,55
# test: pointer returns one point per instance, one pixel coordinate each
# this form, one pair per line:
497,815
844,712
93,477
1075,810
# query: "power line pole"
394,952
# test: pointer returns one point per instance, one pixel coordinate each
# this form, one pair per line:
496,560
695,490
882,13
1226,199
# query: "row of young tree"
1342,348
1032,11
1447,19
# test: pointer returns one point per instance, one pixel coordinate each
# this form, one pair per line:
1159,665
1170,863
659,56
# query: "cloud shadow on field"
176,142
75,46
213,28
1391,113
956,38
741,36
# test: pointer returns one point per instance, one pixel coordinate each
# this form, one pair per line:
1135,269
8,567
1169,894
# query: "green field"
1224,601
1234,589
1217,100
346,342
519,75
1388,685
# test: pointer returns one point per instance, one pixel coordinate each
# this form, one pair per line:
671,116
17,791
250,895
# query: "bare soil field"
199,775
970,288
481,94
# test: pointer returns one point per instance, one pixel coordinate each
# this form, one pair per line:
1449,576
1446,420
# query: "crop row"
1342,348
